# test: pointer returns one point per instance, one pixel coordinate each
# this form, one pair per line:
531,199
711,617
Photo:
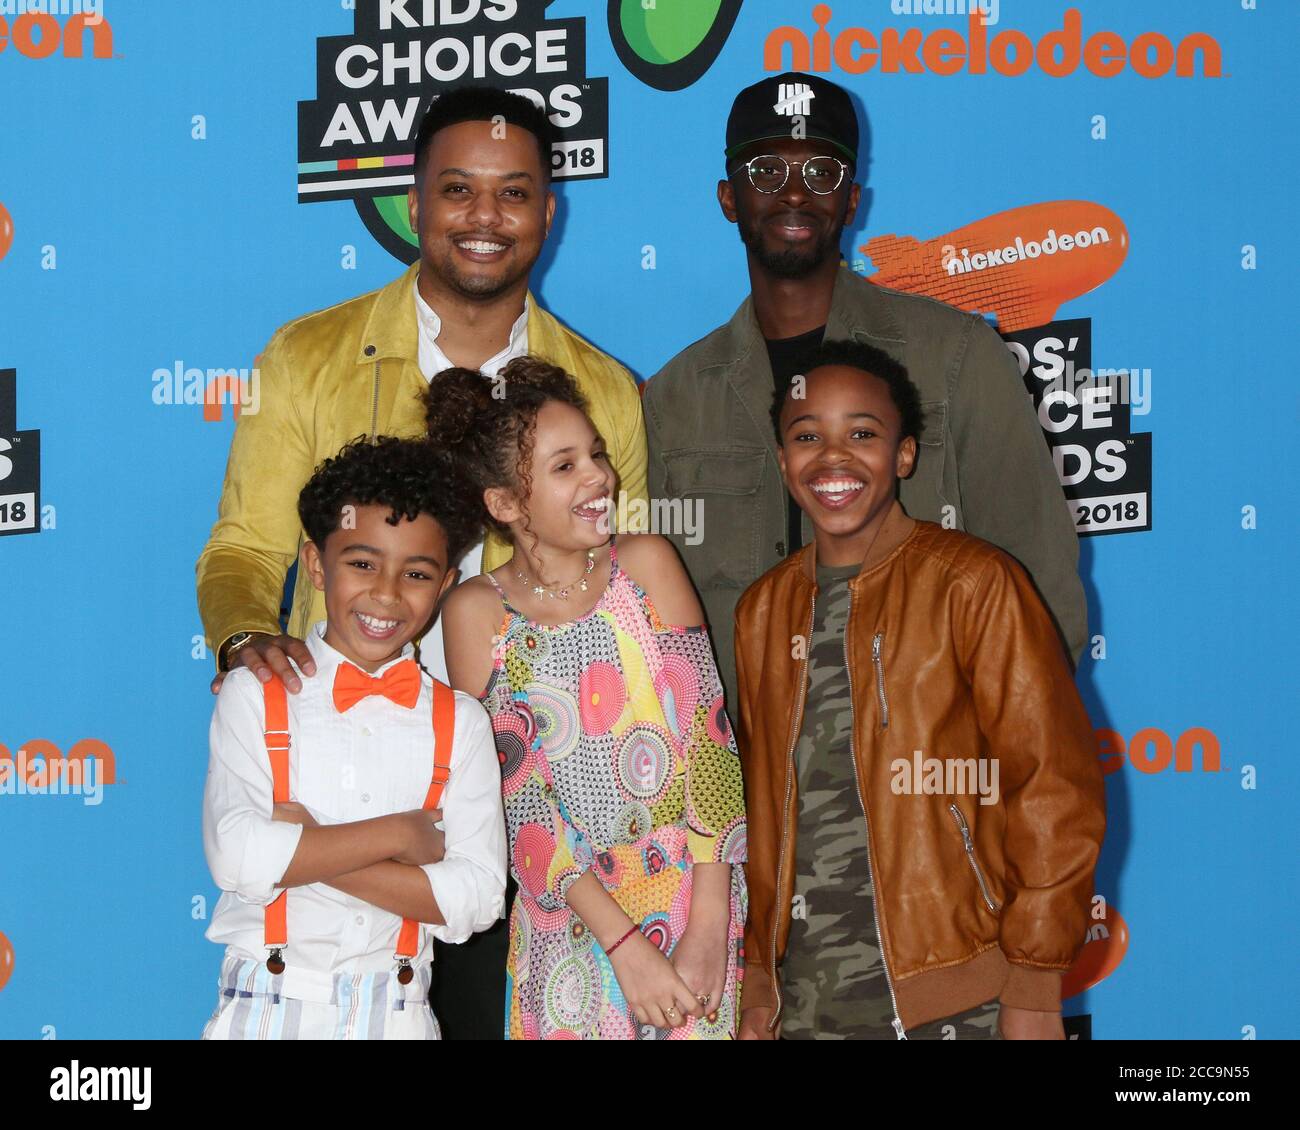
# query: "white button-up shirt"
432,361
372,760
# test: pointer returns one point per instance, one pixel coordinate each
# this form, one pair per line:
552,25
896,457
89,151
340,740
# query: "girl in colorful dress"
623,795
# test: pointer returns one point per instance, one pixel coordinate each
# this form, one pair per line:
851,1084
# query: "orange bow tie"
399,684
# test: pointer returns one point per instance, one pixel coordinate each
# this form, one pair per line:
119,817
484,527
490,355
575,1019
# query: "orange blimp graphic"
6,960
1101,954
6,231
1020,266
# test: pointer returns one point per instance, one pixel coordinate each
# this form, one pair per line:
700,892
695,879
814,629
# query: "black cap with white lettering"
766,111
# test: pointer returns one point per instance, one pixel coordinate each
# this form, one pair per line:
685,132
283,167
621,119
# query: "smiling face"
482,210
381,583
791,232
571,486
841,457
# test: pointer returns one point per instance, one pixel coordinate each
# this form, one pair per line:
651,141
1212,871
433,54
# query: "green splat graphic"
392,210
669,31
673,44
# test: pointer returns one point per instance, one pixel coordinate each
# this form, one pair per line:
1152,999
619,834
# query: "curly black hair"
487,425
409,476
868,359
483,104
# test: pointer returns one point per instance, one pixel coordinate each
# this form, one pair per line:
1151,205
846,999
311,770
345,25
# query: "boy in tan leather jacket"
925,802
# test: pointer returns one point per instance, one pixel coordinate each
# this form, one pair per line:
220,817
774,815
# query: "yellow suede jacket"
328,378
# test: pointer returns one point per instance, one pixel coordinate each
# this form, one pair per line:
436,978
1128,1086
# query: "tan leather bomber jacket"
951,653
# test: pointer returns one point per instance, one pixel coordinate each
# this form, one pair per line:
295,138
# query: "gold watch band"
225,651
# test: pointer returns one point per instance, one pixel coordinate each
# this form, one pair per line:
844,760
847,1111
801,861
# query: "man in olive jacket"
983,464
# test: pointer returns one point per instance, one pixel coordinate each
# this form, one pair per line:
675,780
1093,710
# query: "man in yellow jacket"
482,206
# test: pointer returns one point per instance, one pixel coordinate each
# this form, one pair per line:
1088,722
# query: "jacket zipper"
879,664
970,858
785,809
884,705
374,405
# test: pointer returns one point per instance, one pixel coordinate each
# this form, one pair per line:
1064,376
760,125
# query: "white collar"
329,659
431,325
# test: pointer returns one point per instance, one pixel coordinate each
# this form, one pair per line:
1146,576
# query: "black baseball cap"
764,112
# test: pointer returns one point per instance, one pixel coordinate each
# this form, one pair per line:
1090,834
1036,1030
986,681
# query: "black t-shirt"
789,357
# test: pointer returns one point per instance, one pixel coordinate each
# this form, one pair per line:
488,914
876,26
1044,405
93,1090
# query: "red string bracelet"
621,940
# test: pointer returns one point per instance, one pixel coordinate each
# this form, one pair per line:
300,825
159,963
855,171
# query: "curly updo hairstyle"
487,425
408,476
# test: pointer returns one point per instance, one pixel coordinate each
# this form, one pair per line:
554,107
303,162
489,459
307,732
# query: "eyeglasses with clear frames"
768,174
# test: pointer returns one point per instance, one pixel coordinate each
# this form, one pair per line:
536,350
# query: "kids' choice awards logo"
20,465
1086,414
373,86
670,44
1020,266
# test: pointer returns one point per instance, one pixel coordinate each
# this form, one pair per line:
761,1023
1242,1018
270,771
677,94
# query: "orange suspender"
276,734
444,731
277,739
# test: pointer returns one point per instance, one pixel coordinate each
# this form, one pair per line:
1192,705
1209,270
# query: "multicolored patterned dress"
617,758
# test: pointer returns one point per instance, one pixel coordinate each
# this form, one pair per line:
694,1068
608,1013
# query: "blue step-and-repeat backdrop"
1113,184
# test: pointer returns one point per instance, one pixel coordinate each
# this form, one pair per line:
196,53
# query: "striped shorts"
362,1006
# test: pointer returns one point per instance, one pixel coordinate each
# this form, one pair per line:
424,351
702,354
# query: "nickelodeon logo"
1020,265
34,31
945,51
40,769
1104,948
1151,750
6,960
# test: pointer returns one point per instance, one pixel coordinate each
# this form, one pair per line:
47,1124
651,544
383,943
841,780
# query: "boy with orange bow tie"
351,823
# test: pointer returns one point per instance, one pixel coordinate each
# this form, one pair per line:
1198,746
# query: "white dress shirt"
372,760
432,361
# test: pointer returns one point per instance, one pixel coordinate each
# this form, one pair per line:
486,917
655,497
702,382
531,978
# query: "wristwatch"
232,645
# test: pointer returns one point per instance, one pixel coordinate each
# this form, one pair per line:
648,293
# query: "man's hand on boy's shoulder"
1027,1024
266,655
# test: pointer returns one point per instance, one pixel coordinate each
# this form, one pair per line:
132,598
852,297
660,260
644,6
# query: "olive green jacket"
328,378
983,464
